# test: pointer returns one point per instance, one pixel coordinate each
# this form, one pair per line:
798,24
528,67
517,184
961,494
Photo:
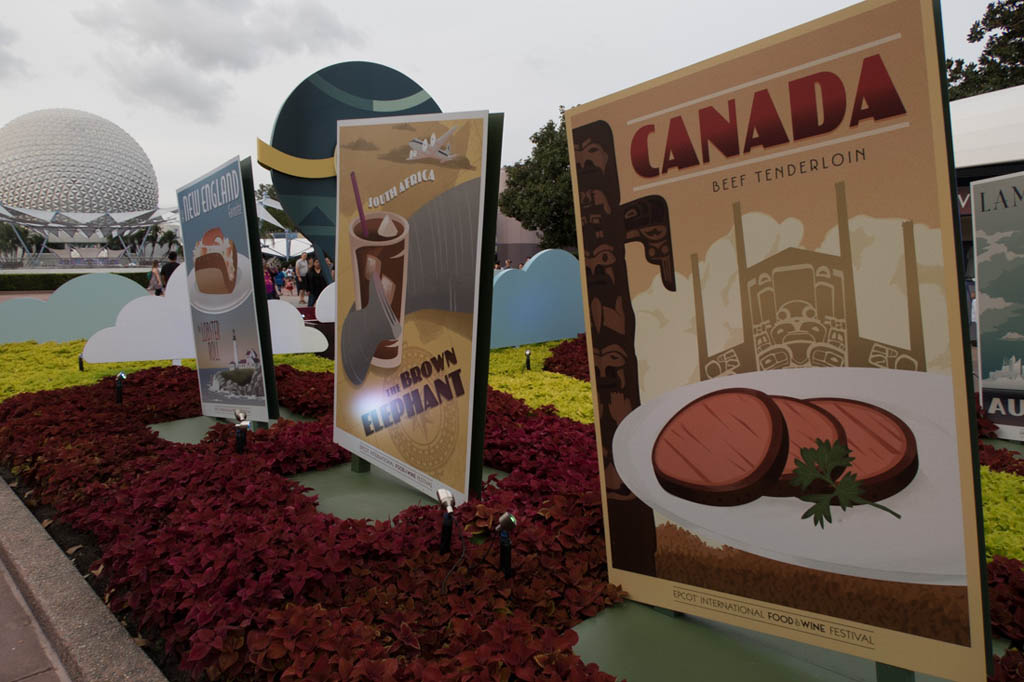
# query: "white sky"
195,82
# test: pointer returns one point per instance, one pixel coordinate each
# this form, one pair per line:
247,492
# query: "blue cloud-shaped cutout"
541,302
76,310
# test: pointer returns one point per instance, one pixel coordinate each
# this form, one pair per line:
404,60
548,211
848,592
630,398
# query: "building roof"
986,128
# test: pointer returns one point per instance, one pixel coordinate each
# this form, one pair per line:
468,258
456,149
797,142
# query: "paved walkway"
25,652
53,627
41,295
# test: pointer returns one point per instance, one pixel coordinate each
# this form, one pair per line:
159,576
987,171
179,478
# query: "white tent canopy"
986,128
277,246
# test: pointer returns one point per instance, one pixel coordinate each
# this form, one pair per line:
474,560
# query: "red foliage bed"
227,564
570,358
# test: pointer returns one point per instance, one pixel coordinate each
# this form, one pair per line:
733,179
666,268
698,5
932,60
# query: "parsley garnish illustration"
823,464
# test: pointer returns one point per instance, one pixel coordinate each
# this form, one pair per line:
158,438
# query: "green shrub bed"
50,281
29,366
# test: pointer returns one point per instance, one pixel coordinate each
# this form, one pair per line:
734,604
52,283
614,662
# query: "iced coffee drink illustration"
379,249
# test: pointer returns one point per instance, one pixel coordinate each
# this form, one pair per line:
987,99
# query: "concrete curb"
89,640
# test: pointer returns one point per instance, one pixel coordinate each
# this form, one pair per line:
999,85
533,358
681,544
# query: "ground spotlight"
81,363
241,428
119,387
527,358
447,500
506,522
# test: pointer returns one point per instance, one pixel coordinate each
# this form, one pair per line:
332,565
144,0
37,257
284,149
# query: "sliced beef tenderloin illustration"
806,424
883,447
725,448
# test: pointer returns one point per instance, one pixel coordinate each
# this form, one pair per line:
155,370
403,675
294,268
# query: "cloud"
160,328
879,275
986,302
361,145
236,36
163,82
289,333
149,328
10,64
1012,336
76,310
988,246
327,304
665,319
184,54
541,302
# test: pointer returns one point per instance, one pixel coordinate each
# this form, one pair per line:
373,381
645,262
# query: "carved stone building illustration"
798,309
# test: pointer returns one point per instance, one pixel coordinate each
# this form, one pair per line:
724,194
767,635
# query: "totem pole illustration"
606,227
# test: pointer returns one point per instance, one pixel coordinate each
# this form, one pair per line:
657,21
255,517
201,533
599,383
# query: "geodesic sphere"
70,160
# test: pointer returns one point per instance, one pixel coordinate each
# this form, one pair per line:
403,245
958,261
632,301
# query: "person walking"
301,270
315,282
156,282
168,269
279,281
268,283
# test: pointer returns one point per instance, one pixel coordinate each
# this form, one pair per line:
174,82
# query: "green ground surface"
645,644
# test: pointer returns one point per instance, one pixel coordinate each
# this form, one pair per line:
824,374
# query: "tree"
10,245
169,239
266,190
1001,64
538,190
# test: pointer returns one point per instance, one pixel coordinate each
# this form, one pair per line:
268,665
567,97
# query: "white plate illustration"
221,303
924,546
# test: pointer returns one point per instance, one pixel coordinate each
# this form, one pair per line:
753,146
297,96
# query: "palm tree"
10,244
132,240
169,239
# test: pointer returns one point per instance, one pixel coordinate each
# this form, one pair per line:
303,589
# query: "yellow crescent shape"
275,159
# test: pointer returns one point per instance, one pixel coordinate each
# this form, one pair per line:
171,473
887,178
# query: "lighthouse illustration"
234,345
799,309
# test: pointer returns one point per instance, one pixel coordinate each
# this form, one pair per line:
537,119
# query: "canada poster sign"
410,220
773,315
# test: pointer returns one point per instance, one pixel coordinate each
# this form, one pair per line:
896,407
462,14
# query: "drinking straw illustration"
359,205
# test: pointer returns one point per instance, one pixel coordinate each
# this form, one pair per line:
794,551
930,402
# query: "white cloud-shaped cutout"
148,328
1012,336
541,302
289,333
327,304
160,328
